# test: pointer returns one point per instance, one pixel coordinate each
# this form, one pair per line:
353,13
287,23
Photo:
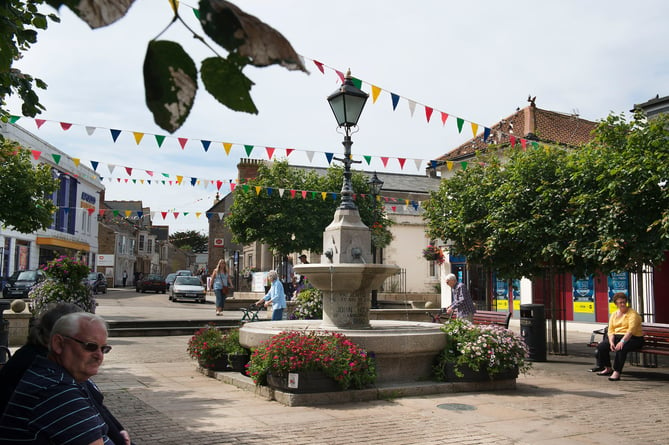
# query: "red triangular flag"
319,65
289,151
39,123
182,142
128,170
385,161
65,126
304,194
444,116
292,193
428,113
176,215
164,214
36,154
401,161
270,152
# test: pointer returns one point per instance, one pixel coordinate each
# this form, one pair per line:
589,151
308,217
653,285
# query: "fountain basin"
405,351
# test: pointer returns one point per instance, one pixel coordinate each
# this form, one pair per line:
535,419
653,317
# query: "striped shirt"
50,407
462,301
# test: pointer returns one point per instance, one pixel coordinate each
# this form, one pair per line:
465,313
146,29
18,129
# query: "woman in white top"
221,284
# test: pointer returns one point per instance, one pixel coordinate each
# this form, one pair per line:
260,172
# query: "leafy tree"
291,224
170,74
18,31
25,190
190,240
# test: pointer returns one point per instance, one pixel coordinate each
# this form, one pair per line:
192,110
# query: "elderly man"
462,301
51,404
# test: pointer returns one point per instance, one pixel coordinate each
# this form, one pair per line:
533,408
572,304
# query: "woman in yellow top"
624,335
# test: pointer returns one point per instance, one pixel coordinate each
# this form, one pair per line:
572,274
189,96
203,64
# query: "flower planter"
469,375
237,362
306,382
219,364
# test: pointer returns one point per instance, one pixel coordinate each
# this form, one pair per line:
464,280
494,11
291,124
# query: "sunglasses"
89,346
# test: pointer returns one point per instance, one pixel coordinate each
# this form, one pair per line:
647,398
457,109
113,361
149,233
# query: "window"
149,245
141,242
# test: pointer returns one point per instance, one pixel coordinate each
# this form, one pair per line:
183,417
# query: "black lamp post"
375,186
347,104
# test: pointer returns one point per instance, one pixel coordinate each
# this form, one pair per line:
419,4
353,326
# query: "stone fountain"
404,350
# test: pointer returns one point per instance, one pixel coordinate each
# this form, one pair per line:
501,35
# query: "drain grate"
456,407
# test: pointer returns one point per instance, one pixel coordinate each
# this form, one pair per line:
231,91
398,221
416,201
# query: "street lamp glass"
375,185
347,103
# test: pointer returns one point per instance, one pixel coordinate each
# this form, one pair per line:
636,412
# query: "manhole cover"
456,407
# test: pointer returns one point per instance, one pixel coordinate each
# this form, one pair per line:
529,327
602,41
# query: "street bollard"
4,333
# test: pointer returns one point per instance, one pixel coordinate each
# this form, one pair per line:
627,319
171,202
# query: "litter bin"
533,330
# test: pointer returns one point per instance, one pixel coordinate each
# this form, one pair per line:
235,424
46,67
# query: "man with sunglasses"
51,403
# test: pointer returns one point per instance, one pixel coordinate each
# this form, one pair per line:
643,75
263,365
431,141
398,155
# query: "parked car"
187,288
21,283
185,272
169,280
97,282
152,282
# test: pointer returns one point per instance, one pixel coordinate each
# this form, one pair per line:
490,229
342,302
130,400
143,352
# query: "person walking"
221,284
462,301
276,296
125,277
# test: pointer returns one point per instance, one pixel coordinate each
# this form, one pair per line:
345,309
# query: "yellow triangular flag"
76,161
475,128
375,93
138,136
324,195
197,214
449,165
128,213
258,188
179,179
227,146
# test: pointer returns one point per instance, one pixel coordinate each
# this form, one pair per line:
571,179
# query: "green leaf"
225,81
170,83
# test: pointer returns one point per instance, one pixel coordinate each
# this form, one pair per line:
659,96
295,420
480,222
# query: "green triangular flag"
249,149
460,124
368,159
160,140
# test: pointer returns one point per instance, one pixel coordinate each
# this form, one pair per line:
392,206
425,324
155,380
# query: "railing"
395,283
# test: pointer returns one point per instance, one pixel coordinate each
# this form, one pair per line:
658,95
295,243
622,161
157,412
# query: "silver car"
187,288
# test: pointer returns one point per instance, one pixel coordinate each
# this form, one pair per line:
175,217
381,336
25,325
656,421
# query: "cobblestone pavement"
156,391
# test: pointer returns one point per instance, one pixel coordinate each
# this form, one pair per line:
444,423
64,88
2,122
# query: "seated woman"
624,335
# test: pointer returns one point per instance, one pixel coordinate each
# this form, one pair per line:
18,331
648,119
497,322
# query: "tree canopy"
603,206
25,190
295,223
190,240
170,74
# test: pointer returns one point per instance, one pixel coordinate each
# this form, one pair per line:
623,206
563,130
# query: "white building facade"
74,230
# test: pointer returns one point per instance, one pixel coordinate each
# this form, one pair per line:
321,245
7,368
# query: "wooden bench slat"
480,317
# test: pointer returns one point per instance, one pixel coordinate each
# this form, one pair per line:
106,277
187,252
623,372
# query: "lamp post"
375,186
347,104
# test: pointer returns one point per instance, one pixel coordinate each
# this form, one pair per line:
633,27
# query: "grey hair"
70,324
451,276
272,275
40,333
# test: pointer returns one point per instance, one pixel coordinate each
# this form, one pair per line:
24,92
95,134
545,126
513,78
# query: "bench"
480,317
655,340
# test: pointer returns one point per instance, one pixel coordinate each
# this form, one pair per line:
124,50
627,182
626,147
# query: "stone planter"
469,375
219,364
306,382
237,362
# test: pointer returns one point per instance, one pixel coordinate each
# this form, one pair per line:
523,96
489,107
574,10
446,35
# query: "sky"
475,60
